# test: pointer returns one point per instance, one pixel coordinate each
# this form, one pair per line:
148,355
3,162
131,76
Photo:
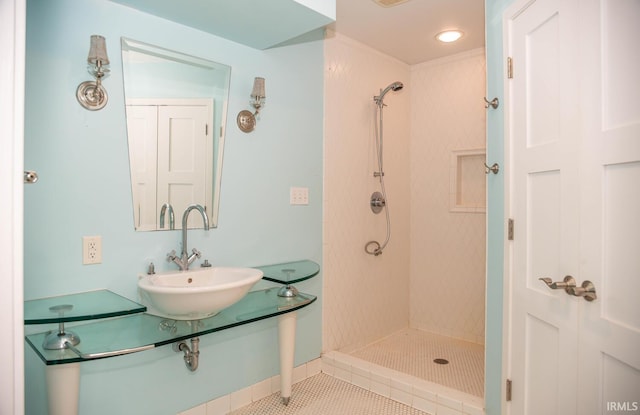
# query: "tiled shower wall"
365,297
447,248
431,276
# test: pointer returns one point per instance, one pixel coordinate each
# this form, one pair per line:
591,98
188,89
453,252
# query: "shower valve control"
377,202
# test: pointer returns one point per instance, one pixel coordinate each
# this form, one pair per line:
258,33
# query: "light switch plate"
299,196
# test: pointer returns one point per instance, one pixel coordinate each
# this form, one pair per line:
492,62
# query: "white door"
142,127
12,53
171,156
609,352
543,200
574,194
182,158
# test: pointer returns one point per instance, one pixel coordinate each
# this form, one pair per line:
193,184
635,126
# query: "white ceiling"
407,30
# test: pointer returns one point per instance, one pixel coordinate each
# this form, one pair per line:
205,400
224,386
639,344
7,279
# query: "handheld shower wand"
379,200
396,86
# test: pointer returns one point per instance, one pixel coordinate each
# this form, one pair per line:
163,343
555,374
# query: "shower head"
396,86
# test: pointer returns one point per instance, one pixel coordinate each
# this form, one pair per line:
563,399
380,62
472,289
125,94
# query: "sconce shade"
246,119
258,88
98,51
91,94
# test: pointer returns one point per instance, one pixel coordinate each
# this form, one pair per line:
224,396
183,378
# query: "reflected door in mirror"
158,78
170,143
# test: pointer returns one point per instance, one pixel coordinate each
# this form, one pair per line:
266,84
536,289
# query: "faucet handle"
171,256
196,252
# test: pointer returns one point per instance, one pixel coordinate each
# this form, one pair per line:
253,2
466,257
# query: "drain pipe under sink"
191,355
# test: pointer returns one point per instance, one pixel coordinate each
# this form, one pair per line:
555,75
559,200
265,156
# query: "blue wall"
496,216
82,159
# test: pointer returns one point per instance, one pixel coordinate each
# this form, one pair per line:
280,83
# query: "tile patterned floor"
413,352
325,395
393,376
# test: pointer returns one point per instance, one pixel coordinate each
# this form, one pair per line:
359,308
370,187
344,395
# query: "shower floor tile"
324,394
413,352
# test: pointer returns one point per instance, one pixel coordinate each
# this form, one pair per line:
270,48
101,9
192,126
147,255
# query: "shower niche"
468,187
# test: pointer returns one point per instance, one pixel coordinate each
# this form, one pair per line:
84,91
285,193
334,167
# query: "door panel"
621,241
182,158
543,170
171,159
542,367
543,220
142,125
542,78
619,384
620,66
610,205
575,185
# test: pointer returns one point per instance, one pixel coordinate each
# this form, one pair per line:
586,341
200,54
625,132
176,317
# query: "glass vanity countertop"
78,307
144,331
290,272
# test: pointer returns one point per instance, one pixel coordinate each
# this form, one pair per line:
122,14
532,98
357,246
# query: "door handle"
587,290
569,283
30,177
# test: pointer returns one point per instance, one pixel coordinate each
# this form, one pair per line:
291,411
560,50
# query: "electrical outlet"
299,195
91,250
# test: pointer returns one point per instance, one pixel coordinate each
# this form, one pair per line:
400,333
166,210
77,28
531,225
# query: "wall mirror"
176,108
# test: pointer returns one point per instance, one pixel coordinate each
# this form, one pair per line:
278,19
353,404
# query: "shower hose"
374,247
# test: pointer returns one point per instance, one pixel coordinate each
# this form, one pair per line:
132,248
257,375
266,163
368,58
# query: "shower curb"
417,393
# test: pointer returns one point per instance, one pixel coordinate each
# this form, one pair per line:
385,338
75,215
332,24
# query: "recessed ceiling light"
449,36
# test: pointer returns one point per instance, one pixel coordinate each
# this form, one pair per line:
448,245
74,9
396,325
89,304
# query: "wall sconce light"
246,119
91,94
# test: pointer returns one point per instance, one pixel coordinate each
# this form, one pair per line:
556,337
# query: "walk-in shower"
379,199
423,300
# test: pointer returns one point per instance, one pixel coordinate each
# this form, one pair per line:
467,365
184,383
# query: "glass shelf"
143,331
290,272
90,305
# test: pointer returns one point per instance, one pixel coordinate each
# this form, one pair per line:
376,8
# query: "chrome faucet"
172,221
185,259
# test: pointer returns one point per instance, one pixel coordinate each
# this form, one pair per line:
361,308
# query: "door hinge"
206,129
509,67
508,390
510,230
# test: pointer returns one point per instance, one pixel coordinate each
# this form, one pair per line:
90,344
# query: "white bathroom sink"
195,294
